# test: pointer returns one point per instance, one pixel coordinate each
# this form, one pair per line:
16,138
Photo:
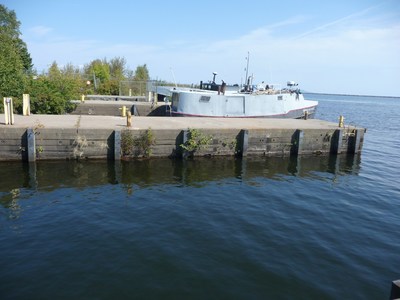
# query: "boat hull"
295,114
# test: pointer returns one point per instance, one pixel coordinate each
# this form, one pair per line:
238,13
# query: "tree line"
50,92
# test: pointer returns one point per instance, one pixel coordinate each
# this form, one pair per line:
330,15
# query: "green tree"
9,25
142,73
118,68
12,77
51,94
15,60
106,75
98,71
54,71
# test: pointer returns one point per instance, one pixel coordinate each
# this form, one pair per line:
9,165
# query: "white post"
26,106
8,111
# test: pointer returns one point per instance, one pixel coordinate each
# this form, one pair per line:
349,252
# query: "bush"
47,97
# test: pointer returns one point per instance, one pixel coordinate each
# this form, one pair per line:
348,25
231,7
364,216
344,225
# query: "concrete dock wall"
13,144
31,144
113,108
74,144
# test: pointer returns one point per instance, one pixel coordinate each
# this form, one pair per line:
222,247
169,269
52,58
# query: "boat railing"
272,89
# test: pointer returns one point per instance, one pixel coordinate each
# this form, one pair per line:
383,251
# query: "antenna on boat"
173,76
215,74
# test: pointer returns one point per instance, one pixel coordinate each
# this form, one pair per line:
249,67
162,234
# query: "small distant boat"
249,101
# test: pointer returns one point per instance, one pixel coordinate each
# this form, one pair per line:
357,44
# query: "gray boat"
250,101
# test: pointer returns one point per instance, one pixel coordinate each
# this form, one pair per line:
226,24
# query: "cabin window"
280,97
205,99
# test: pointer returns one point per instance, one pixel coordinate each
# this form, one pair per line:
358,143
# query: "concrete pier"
44,137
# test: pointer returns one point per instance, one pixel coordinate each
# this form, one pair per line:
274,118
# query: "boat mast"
173,76
247,68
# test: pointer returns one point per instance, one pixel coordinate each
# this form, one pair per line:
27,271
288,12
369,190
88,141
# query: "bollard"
129,119
123,111
82,98
341,121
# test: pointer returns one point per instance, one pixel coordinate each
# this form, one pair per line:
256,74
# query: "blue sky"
341,46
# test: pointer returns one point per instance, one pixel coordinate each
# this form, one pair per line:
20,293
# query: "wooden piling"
117,145
244,142
31,143
297,142
336,141
354,146
395,291
185,137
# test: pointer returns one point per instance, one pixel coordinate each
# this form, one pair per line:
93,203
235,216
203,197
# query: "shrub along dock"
45,137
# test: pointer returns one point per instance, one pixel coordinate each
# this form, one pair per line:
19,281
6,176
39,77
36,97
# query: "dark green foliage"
144,142
9,26
12,77
47,97
15,61
109,87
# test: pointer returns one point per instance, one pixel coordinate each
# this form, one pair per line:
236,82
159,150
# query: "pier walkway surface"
173,123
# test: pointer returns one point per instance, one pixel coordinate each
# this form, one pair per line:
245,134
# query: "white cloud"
40,31
340,21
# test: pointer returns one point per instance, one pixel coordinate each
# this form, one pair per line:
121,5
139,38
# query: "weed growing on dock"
196,140
230,144
126,143
36,130
79,145
137,146
144,142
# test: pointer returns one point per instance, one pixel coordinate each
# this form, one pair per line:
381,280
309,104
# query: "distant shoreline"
398,97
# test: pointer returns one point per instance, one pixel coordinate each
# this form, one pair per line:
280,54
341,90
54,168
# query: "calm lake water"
257,228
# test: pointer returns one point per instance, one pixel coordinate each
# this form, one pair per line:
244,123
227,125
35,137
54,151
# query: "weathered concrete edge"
73,143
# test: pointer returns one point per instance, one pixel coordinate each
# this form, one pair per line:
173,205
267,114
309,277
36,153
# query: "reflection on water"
308,228
48,175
